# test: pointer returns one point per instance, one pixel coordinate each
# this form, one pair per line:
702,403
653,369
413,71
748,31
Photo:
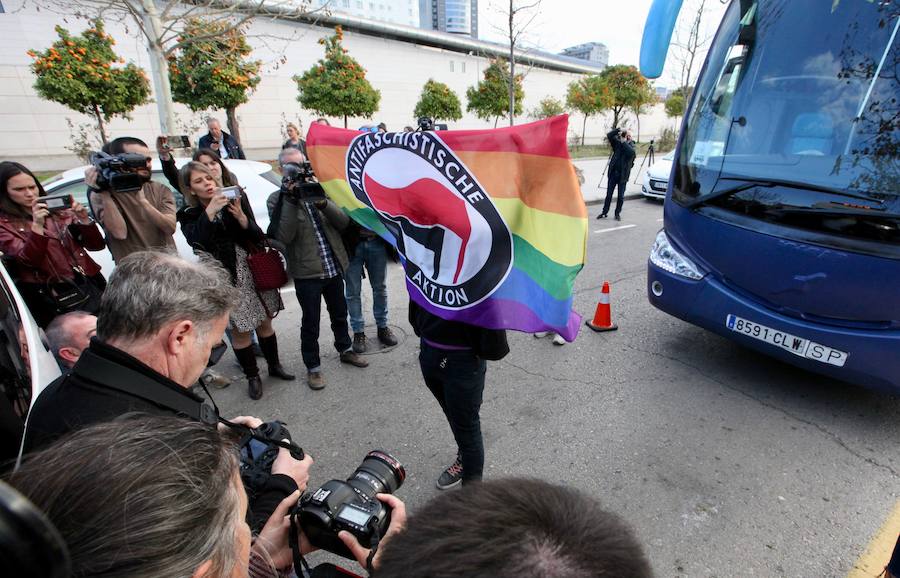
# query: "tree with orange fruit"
85,74
336,85
209,69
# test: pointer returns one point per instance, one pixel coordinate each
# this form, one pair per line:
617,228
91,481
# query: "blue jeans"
456,380
373,254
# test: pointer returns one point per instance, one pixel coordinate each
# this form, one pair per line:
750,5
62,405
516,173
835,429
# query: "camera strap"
97,370
294,542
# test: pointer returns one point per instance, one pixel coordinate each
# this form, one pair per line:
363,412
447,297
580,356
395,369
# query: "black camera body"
351,505
116,173
425,123
299,181
57,203
258,456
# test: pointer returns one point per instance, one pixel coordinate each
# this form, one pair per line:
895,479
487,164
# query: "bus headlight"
664,256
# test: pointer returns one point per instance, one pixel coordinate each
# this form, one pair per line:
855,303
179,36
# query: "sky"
619,24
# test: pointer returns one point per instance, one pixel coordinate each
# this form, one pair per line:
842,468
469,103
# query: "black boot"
269,346
248,363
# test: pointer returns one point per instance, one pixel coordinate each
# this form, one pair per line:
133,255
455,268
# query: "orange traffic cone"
603,316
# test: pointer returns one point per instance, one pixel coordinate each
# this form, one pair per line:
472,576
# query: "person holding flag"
491,229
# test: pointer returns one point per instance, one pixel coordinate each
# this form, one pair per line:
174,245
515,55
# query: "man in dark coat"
220,141
159,318
619,168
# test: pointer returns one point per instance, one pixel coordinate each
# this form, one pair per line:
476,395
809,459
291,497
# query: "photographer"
623,154
136,220
226,228
309,225
153,497
46,248
158,320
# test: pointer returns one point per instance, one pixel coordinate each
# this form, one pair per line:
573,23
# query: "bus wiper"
749,183
838,211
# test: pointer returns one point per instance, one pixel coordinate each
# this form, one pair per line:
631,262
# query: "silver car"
656,178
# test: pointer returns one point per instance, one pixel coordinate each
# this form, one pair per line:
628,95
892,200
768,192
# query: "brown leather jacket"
33,258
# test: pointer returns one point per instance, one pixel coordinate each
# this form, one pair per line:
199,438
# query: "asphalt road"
726,462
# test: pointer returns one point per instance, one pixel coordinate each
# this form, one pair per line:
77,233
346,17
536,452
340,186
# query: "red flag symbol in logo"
426,203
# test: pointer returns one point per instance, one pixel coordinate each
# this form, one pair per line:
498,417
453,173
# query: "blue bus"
782,222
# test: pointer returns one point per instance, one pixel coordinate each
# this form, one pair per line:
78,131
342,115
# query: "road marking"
878,552
614,229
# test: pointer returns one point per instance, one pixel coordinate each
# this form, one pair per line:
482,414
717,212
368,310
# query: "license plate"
797,345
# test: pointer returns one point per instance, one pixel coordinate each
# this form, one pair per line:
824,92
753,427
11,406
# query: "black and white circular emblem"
457,247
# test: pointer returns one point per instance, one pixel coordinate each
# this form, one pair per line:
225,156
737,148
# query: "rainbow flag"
490,224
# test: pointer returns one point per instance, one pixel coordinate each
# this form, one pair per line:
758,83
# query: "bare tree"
160,23
514,31
689,45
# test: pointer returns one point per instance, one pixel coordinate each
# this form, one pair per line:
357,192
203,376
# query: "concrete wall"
35,131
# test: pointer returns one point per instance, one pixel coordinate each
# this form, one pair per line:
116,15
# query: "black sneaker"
386,337
452,476
359,343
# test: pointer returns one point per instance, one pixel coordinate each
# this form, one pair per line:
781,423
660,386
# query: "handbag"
268,268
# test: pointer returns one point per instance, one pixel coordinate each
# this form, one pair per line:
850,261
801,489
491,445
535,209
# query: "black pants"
310,293
456,379
610,186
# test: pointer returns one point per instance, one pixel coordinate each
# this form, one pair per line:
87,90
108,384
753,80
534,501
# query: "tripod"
649,154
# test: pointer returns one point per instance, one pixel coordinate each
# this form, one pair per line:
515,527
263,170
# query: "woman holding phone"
46,247
225,228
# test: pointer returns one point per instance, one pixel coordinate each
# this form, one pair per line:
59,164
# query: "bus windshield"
796,118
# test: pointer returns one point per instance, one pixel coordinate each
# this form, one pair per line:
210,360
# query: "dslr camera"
258,453
425,123
299,181
351,505
117,173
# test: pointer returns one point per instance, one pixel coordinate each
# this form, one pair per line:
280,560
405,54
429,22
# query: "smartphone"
180,141
231,193
57,202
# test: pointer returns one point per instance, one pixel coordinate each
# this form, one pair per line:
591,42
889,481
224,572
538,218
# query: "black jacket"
90,394
231,145
219,236
97,390
488,344
622,158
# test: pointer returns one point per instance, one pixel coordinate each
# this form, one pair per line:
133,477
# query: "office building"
595,52
454,16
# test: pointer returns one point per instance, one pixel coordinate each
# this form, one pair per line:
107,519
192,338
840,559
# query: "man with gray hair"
220,141
159,318
155,330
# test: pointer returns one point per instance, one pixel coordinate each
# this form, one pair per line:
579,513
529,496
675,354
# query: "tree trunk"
100,125
583,127
345,121
159,68
234,126
512,66
637,118
496,120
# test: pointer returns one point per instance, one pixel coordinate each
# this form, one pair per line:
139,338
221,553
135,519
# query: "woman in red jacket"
45,250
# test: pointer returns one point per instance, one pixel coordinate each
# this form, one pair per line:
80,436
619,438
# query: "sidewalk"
594,187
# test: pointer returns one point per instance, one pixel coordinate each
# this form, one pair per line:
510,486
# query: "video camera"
351,505
116,173
299,181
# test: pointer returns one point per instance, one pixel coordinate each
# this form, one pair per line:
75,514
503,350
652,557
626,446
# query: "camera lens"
379,473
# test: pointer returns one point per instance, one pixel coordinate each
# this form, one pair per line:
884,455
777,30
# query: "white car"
258,179
656,178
